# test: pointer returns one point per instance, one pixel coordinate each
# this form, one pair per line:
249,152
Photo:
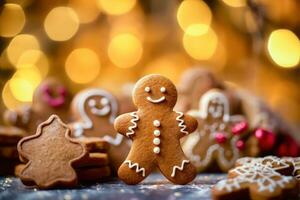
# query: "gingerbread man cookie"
50,155
257,179
50,97
219,134
155,130
94,111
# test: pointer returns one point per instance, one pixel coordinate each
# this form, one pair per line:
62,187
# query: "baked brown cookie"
219,137
94,111
94,160
50,97
10,135
259,179
155,96
94,144
93,174
50,155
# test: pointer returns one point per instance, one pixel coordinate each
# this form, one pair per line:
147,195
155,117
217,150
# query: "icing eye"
92,103
104,101
147,89
163,89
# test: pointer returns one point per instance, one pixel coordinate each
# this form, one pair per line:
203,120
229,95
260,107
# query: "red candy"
220,138
266,139
239,128
240,144
288,147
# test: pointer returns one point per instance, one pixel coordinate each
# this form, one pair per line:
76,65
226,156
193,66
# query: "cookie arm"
186,123
126,123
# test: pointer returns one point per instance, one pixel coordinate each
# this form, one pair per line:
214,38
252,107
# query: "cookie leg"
178,171
135,169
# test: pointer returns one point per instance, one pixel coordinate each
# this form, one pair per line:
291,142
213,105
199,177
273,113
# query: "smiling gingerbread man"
155,130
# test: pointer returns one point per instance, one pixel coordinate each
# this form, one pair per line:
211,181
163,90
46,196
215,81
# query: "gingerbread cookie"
50,97
94,144
94,112
94,160
219,137
93,174
10,135
155,130
257,180
50,155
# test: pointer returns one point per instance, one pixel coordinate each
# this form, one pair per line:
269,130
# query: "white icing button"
156,150
163,89
156,141
156,123
156,133
147,89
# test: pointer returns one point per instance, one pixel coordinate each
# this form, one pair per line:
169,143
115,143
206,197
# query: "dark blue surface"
154,187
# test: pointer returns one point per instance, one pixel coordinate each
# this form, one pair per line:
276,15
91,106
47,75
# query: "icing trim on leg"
138,168
179,168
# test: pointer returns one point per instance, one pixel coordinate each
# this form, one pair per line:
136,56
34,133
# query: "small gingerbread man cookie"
218,137
50,97
155,130
94,111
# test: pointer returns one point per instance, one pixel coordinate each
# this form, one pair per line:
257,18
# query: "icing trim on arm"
181,124
134,119
179,168
136,165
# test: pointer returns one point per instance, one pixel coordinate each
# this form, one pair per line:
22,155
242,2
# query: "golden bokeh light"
116,7
194,13
201,47
284,48
19,45
125,50
82,65
87,11
12,20
61,23
235,3
8,98
35,58
24,82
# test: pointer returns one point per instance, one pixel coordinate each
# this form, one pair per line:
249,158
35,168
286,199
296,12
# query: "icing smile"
161,99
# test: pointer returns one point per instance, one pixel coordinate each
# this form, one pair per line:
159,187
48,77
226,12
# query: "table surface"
154,187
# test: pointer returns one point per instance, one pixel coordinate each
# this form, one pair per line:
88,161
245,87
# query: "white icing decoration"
156,123
163,89
134,119
147,89
263,175
156,150
194,138
136,165
87,123
179,168
156,132
161,99
181,124
156,141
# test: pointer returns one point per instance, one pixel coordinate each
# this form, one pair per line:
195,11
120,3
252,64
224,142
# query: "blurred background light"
116,7
12,20
19,44
61,23
87,11
284,48
82,65
200,47
235,3
8,98
125,50
194,13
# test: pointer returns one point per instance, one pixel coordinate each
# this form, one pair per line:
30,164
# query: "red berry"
240,144
265,138
239,128
220,138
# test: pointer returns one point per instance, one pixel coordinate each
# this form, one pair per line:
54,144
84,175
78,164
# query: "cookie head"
154,90
214,104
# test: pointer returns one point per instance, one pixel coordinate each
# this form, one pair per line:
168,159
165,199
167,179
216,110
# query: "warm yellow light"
61,23
125,50
201,47
235,3
194,13
8,98
116,7
12,20
19,45
87,11
82,65
284,48
24,82
36,58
